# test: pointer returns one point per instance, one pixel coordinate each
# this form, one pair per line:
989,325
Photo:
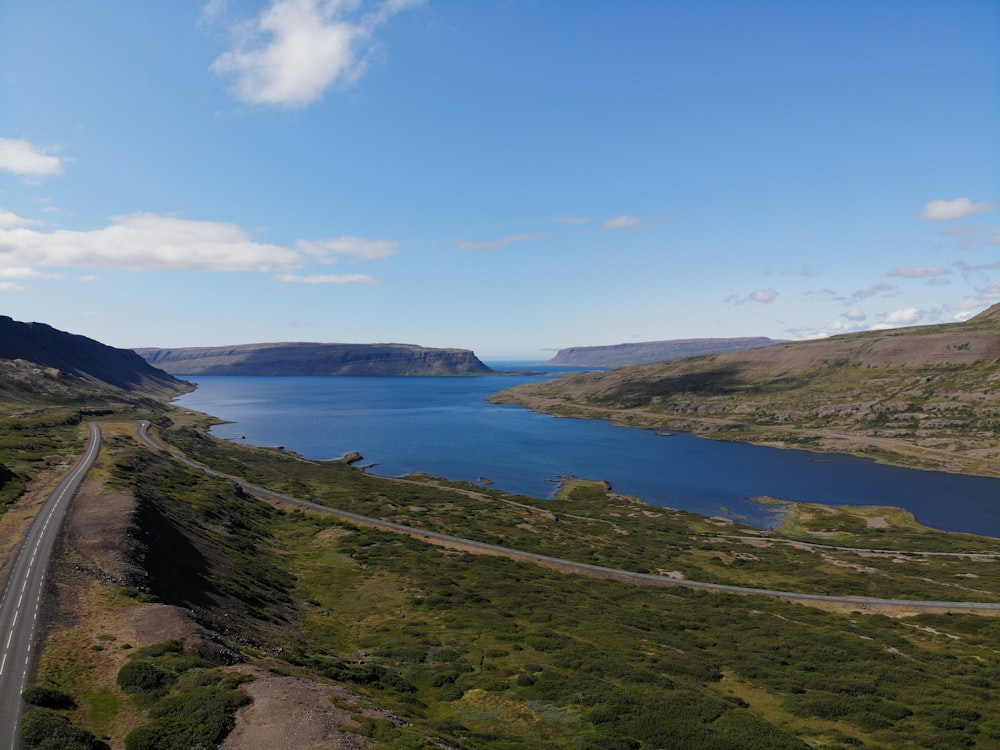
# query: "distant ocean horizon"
443,426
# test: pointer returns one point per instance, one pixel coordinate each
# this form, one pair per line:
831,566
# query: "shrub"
142,677
46,730
47,697
198,718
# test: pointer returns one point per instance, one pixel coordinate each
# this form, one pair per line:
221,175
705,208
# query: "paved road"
22,597
567,565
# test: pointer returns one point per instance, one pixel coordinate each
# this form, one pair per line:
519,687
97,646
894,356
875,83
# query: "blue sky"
511,177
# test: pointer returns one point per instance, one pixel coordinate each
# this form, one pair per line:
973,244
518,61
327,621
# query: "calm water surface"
443,426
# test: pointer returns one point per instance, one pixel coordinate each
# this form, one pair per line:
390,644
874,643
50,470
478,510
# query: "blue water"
443,426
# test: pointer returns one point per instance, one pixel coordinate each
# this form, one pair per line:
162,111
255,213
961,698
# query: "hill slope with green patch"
926,396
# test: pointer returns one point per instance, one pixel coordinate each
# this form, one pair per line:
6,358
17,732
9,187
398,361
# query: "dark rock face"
315,359
619,355
35,353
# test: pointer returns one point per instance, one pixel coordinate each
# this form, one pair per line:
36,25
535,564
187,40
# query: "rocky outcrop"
315,359
619,355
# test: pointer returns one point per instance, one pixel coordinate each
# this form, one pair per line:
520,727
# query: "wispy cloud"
23,158
881,289
354,248
357,278
918,272
295,50
150,242
950,210
622,222
969,237
571,220
491,245
763,296
969,267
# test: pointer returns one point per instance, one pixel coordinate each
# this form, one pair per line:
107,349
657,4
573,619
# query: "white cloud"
622,222
145,242
918,272
949,210
764,296
296,49
903,317
150,242
9,220
975,304
357,278
489,246
12,286
22,158
356,248
855,314
838,326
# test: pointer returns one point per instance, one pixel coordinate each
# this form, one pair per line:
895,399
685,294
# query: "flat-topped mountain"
303,358
38,361
620,355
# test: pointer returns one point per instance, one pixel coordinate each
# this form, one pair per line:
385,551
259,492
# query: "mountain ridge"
39,361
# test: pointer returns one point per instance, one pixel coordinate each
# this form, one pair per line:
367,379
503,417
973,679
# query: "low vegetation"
189,703
474,651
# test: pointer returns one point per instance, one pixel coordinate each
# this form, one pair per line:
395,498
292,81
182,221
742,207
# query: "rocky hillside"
620,355
39,362
925,396
315,359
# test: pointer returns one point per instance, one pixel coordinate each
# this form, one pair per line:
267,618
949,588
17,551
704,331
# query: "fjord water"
443,426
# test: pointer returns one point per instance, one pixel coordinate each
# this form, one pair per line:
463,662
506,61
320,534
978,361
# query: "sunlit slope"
927,395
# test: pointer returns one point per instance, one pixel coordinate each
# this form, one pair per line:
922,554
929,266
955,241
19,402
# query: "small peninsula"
301,358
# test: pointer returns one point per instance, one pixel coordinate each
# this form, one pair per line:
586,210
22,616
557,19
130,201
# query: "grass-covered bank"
590,524
470,651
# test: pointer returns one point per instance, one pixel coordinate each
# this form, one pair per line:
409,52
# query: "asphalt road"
570,566
23,595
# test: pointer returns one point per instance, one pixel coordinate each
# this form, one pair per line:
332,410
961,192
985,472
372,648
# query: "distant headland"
619,355
302,358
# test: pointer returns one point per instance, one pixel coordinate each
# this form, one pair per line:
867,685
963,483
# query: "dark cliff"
39,361
619,355
315,359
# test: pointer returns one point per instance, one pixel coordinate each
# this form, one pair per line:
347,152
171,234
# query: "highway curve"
568,566
23,594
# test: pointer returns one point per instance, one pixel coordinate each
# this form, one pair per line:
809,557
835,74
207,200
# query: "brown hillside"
926,396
